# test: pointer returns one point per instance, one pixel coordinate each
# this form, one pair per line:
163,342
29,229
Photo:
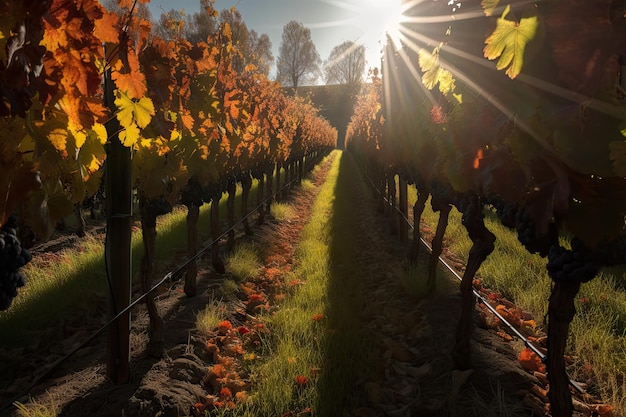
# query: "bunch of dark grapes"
506,212
529,236
441,194
151,208
577,264
192,194
12,257
212,191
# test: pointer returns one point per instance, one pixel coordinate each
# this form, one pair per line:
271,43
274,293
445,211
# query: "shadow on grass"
348,352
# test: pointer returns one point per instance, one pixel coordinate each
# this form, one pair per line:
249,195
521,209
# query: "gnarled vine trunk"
216,260
246,185
231,189
561,311
270,191
193,214
483,244
260,195
418,209
155,332
404,210
437,244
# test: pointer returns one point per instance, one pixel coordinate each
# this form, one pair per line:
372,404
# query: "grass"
75,282
243,262
208,319
35,410
282,212
314,334
598,331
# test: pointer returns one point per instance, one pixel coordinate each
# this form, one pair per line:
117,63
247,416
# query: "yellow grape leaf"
140,111
508,41
130,135
429,63
99,131
489,6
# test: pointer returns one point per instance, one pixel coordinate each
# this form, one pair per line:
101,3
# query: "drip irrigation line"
169,276
478,296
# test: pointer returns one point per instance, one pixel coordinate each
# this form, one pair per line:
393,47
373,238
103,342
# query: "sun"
381,19
376,20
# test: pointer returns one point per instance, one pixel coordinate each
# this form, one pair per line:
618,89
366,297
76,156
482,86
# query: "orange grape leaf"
508,42
106,28
58,139
530,361
131,80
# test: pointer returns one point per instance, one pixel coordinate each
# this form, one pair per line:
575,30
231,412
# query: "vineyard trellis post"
119,205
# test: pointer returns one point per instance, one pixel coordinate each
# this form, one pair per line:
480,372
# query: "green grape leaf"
489,6
46,207
433,73
508,42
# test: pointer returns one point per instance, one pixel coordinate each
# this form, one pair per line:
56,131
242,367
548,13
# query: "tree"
254,49
298,58
199,26
345,64
261,52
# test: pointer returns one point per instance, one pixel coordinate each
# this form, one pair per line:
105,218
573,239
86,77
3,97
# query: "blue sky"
331,21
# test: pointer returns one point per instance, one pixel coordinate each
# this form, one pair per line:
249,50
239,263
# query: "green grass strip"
316,333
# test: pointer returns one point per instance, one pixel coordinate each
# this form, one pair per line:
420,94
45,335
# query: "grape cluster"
192,194
151,208
577,264
529,236
506,212
12,257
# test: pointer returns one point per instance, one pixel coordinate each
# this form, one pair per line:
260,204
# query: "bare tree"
298,59
254,49
199,26
261,48
345,64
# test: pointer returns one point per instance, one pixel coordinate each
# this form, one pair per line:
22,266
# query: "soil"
414,335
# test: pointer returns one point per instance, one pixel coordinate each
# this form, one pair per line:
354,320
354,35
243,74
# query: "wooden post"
119,203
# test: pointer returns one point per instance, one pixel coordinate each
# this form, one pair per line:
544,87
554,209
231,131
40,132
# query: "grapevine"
12,257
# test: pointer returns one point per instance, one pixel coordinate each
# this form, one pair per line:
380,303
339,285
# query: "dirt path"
415,373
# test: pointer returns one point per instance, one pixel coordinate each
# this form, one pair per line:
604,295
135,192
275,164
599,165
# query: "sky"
331,21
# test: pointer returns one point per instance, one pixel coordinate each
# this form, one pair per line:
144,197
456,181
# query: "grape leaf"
489,6
130,135
434,73
106,28
137,111
508,41
130,80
